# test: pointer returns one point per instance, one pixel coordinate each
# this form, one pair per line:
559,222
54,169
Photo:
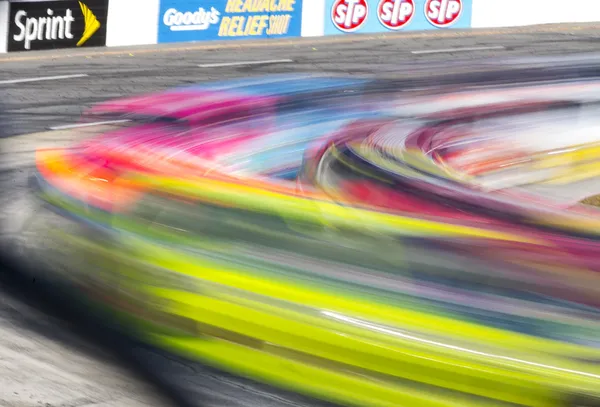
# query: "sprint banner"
203,20
38,25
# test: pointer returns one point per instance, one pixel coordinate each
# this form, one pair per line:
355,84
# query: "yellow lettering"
279,25
238,6
240,27
289,5
248,26
223,28
255,6
264,21
259,6
264,6
271,28
233,25
253,24
286,24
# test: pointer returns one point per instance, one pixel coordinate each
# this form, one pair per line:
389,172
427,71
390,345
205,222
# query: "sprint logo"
54,26
91,24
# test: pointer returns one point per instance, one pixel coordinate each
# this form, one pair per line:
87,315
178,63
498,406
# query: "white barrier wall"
313,18
136,22
3,25
132,22
514,13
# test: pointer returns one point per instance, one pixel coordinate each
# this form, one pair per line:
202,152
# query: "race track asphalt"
44,359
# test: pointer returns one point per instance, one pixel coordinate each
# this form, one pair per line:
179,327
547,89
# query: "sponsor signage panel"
205,20
375,16
39,25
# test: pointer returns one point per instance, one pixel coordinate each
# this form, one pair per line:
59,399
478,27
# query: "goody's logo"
349,15
443,13
197,20
395,14
207,20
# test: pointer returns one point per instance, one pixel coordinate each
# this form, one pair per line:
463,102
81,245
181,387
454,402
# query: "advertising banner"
376,16
205,20
37,25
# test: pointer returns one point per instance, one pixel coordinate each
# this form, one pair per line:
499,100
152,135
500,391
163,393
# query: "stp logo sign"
395,14
349,15
443,13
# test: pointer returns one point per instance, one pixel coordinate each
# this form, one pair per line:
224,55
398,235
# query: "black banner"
37,25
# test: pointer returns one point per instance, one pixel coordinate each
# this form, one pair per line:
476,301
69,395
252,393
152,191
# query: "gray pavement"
116,72
42,362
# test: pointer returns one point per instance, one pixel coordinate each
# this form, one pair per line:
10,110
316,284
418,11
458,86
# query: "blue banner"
376,16
205,20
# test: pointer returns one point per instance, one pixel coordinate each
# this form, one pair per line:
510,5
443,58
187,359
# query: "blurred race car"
229,223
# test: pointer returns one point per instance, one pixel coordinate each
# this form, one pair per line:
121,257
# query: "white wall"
3,25
512,13
313,17
132,22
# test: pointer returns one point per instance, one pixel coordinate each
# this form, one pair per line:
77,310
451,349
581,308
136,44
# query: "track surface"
42,361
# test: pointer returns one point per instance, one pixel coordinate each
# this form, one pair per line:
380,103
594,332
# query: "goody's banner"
205,20
375,16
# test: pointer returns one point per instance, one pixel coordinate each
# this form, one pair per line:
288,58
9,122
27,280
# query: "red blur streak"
189,107
91,183
369,193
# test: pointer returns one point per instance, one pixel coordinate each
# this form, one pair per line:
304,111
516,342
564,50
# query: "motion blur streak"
348,238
